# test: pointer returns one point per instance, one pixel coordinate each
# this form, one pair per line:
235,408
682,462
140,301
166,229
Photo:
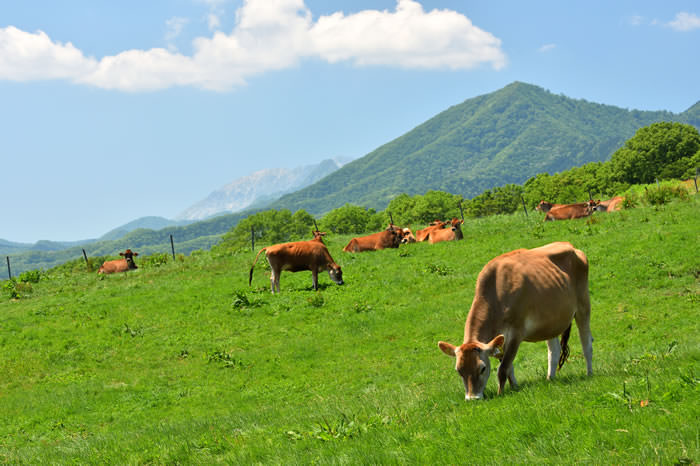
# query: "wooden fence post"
524,208
172,246
252,238
87,264
697,173
9,271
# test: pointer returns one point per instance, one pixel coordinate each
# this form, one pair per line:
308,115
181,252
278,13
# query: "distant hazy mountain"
259,188
150,223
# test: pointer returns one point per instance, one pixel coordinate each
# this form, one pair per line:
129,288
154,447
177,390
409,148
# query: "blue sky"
117,110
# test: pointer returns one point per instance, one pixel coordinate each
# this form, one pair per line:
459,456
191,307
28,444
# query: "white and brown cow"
453,233
297,256
610,205
524,295
120,265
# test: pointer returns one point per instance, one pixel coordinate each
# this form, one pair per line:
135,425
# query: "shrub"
30,276
664,194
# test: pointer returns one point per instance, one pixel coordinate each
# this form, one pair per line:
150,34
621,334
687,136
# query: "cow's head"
407,236
129,256
592,205
544,206
473,364
318,235
336,273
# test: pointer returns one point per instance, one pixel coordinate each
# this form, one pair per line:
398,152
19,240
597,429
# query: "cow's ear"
136,253
121,254
495,346
447,348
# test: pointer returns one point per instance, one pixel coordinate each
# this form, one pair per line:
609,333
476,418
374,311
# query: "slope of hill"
151,223
199,235
504,137
259,188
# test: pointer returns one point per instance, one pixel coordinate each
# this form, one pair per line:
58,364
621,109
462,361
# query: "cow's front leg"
314,278
505,369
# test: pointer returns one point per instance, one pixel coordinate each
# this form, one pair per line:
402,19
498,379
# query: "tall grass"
184,363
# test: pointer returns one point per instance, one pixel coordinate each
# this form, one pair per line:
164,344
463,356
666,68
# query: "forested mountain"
504,137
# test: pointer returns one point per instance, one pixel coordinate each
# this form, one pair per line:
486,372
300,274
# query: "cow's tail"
564,346
250,276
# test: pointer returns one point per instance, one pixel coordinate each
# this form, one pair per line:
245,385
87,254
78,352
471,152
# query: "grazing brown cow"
453,233
310,255
424,234
389,238
120,265
570,211
610,205
524,295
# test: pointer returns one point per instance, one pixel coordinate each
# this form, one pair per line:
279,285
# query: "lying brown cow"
570,211
405,233
120,265
453,233
310,255
424,234
524,295
610,205
389,238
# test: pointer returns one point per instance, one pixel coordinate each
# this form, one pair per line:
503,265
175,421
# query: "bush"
30,276
155,260
664,194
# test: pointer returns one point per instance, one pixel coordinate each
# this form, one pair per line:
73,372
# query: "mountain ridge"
491,140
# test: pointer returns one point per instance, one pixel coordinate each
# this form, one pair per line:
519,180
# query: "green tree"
351,219
661,150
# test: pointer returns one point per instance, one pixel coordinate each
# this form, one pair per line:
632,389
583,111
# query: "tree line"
659,151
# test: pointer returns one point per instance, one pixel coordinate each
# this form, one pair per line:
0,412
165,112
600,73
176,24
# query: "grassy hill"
188,238
504,137
184,363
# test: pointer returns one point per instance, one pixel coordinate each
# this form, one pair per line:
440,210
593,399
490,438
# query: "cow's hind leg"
583,322
553,353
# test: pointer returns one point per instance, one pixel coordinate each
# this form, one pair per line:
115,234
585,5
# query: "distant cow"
424,234
120,265
389,238
453,233
524,295
570,211
610,205
310,255
405,233
545,206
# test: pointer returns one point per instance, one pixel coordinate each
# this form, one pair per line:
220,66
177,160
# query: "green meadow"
183,362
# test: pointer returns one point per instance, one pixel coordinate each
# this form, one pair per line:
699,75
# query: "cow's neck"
483,323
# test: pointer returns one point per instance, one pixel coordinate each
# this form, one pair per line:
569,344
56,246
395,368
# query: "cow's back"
535,292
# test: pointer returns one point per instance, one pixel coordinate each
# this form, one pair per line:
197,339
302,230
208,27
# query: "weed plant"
183,362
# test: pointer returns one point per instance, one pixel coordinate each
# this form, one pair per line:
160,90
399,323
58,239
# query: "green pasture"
182,362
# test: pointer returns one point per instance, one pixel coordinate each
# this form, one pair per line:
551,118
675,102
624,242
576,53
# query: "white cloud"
269,35
28,56
547,48
174,27
685,22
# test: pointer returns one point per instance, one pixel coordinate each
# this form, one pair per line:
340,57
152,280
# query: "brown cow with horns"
524,295
120,265
310,255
